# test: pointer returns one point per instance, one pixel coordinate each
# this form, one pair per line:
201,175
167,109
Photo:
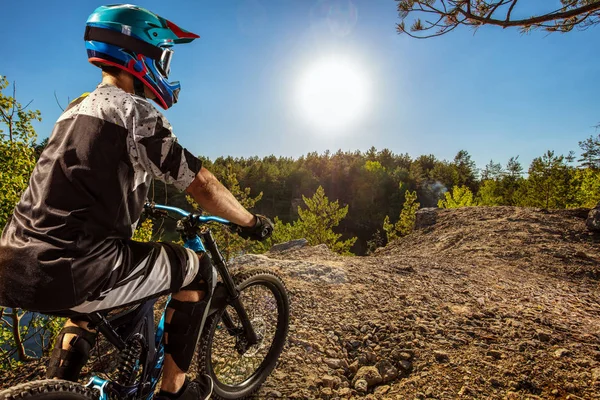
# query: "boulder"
425,217
593,219
369,374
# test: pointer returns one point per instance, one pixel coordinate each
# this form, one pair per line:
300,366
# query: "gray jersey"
68,240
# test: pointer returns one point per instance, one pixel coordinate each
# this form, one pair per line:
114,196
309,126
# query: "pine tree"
548,182
590,158
318,219
406,222
460,196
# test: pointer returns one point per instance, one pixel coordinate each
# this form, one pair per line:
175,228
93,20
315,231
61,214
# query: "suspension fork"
233,292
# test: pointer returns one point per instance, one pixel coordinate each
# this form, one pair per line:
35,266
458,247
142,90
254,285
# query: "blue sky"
495,93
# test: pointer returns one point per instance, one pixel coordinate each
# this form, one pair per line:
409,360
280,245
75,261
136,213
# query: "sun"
333,94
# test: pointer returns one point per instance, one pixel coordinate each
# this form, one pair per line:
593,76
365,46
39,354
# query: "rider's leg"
71,351
173,377
185,314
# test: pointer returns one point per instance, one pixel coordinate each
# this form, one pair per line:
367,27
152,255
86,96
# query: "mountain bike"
244,332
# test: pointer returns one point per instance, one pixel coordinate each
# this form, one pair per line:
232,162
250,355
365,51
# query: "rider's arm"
214,198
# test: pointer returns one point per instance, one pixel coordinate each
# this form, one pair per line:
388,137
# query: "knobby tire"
49,389
246,389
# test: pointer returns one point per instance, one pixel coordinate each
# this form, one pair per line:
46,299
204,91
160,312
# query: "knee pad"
67,364
206,278
188,317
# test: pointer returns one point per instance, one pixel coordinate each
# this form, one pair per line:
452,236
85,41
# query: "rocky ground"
498,303
486,303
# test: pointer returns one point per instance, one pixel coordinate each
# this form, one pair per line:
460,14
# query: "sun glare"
333,94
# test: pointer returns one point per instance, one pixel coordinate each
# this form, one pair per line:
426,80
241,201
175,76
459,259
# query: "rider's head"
139,42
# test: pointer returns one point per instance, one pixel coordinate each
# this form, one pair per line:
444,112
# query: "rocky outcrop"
426,217
593,220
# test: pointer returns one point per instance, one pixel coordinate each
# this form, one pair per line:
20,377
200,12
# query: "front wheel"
49,389
238,370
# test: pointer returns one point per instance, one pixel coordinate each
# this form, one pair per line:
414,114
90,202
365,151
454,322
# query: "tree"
17,154
492,171
17,160
490,193
319,218
465,170
548,185
585,185
590,158
406,222
461,196
430,18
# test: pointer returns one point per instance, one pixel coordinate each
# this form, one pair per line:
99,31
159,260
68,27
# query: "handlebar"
202,219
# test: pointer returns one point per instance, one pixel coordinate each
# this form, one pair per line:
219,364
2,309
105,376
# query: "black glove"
262,229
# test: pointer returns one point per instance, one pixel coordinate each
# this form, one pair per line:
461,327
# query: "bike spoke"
229,366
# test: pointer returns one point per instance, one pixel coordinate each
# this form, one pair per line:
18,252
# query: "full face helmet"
138,41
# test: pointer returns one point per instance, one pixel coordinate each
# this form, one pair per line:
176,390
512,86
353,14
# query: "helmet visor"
164,64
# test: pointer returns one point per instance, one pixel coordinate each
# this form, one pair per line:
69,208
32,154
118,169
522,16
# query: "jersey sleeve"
158,150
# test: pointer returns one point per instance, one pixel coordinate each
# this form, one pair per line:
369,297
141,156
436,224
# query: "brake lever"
153,212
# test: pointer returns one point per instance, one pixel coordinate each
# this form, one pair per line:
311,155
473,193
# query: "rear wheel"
237,369
49,389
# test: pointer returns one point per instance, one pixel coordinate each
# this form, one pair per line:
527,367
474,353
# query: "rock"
381,390
543,336
495,382
425,217
371,357
361,385
353,367
331,353
292,244
344,392
334,363
440,356
464,390
401,354
429,391
596,374
561,353
331,381
387,371
495,354
593,219
405,366
275,394
369,374
326,391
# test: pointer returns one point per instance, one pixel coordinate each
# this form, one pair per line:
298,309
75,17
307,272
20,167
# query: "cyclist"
67,249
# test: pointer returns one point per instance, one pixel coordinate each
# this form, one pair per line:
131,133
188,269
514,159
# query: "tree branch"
482,12
534,20
510,10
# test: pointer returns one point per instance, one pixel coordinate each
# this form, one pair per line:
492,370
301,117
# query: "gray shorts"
165,269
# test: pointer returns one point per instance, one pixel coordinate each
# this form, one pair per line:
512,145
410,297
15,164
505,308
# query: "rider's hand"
261,230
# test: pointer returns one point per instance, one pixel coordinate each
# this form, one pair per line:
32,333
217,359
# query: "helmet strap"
138,87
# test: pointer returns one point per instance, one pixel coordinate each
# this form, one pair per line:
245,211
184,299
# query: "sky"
257,81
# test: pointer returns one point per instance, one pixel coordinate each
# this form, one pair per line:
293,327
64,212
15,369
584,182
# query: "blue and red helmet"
138,41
